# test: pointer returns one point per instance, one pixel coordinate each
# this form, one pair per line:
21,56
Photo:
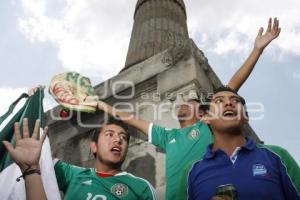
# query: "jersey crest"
194,134
119,189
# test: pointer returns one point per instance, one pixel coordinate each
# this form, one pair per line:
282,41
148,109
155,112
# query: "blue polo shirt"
257,171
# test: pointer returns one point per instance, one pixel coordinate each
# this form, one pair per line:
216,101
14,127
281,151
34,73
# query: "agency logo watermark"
172,104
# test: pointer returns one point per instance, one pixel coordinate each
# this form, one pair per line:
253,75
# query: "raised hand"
273,31
28,149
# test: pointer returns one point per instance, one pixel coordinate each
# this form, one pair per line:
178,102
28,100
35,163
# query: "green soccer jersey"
181,146
84,184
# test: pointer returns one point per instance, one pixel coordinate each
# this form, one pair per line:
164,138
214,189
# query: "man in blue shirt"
257,171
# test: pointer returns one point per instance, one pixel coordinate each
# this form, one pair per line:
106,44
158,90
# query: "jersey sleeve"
182,192
158,136
64,174
141,187
149,193
290,173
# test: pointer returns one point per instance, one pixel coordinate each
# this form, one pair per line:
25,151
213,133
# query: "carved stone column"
158,25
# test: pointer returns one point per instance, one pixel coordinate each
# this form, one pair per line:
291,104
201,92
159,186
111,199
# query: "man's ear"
93,147
206,118
246,117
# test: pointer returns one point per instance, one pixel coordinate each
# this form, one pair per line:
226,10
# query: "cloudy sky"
41,38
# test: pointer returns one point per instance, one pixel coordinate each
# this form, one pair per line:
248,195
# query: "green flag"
32,109
9,171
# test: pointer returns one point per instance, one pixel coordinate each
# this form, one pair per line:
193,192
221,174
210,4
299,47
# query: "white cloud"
233,42
222,22
35,7
92,36
7,96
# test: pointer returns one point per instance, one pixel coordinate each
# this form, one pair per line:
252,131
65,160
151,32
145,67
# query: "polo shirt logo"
259,170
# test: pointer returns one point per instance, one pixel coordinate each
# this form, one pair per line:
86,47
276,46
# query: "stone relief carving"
179,52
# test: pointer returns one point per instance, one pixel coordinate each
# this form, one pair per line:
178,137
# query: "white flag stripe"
10,189
48,173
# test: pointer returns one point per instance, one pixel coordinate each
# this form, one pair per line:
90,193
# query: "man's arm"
289,171
261,41
130,119
149,193
156,134
27,154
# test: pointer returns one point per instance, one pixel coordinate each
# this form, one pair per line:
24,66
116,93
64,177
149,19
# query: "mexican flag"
10,189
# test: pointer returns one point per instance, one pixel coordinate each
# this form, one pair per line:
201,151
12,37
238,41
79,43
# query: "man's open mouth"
116,150
229,113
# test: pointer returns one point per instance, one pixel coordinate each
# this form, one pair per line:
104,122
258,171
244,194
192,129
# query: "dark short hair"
96,132
202,107
228,89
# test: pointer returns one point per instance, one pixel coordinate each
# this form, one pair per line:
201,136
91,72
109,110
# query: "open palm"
273,31
28,149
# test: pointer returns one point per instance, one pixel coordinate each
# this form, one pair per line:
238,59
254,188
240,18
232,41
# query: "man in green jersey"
189,143
105,181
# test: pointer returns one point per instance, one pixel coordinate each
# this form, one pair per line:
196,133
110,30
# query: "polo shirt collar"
250,145
210,153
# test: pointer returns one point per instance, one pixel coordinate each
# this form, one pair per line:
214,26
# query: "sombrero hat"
74,92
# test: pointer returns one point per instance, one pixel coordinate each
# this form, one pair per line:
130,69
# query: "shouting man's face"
112,145
226,111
